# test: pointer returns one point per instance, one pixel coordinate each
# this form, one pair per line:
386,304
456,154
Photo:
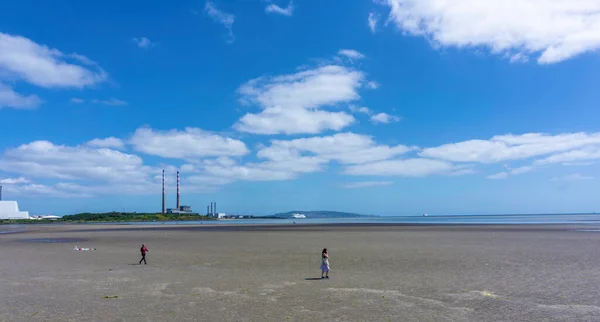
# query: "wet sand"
267,273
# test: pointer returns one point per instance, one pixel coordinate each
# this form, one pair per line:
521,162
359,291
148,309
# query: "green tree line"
113,217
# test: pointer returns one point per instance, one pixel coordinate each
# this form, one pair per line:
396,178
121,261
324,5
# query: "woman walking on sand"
143,250
324,264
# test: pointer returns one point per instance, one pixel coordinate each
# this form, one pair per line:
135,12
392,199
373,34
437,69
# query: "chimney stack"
163,192
178,204
215,207
0,193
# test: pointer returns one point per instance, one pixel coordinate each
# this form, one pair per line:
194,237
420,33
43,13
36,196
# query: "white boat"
298,216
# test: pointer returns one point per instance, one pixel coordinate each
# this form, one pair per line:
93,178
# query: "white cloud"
208,180
110,102
362,110
142,42
553,30
417,167
300,164
376,118
277,120
373,85
351,53
346,148
286,160
511,172
287,11
569,149
221,17
110,142
366,184
82,59
74,190
461,171
573,177
325,85
249,173
34,190
97,168
76,100
518,58
23,59
12,99
188,167
18,180
292,103
521,170
86,171
43,159
574,156
373,20
189,143
91,172
511,147
577,164
229,170
500,175
384,118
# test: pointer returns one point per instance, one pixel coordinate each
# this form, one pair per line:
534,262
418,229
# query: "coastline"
156,219
272,227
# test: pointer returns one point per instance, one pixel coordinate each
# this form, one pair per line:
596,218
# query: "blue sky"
389,107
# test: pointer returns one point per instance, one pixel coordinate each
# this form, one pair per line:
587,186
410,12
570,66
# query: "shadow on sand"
313,279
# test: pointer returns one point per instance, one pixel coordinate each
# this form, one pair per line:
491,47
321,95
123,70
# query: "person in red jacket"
143,250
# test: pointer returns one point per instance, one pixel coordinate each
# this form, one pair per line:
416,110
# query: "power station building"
10,209
211,211
181,210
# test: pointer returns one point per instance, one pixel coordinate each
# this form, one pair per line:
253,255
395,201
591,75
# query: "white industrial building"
10,210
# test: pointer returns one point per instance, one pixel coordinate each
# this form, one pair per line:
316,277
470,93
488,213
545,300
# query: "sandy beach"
271,273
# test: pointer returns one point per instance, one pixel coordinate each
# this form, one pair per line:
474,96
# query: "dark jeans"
143,259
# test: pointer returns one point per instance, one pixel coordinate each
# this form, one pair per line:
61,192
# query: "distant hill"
318,214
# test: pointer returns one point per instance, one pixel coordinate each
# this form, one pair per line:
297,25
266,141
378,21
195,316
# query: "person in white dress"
324,264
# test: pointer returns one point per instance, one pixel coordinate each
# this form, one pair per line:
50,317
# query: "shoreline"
335,227
548,219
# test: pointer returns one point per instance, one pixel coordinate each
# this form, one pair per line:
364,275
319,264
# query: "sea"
592,221
585,219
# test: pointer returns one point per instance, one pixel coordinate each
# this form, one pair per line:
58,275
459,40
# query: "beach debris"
110,297
75,248
488,294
